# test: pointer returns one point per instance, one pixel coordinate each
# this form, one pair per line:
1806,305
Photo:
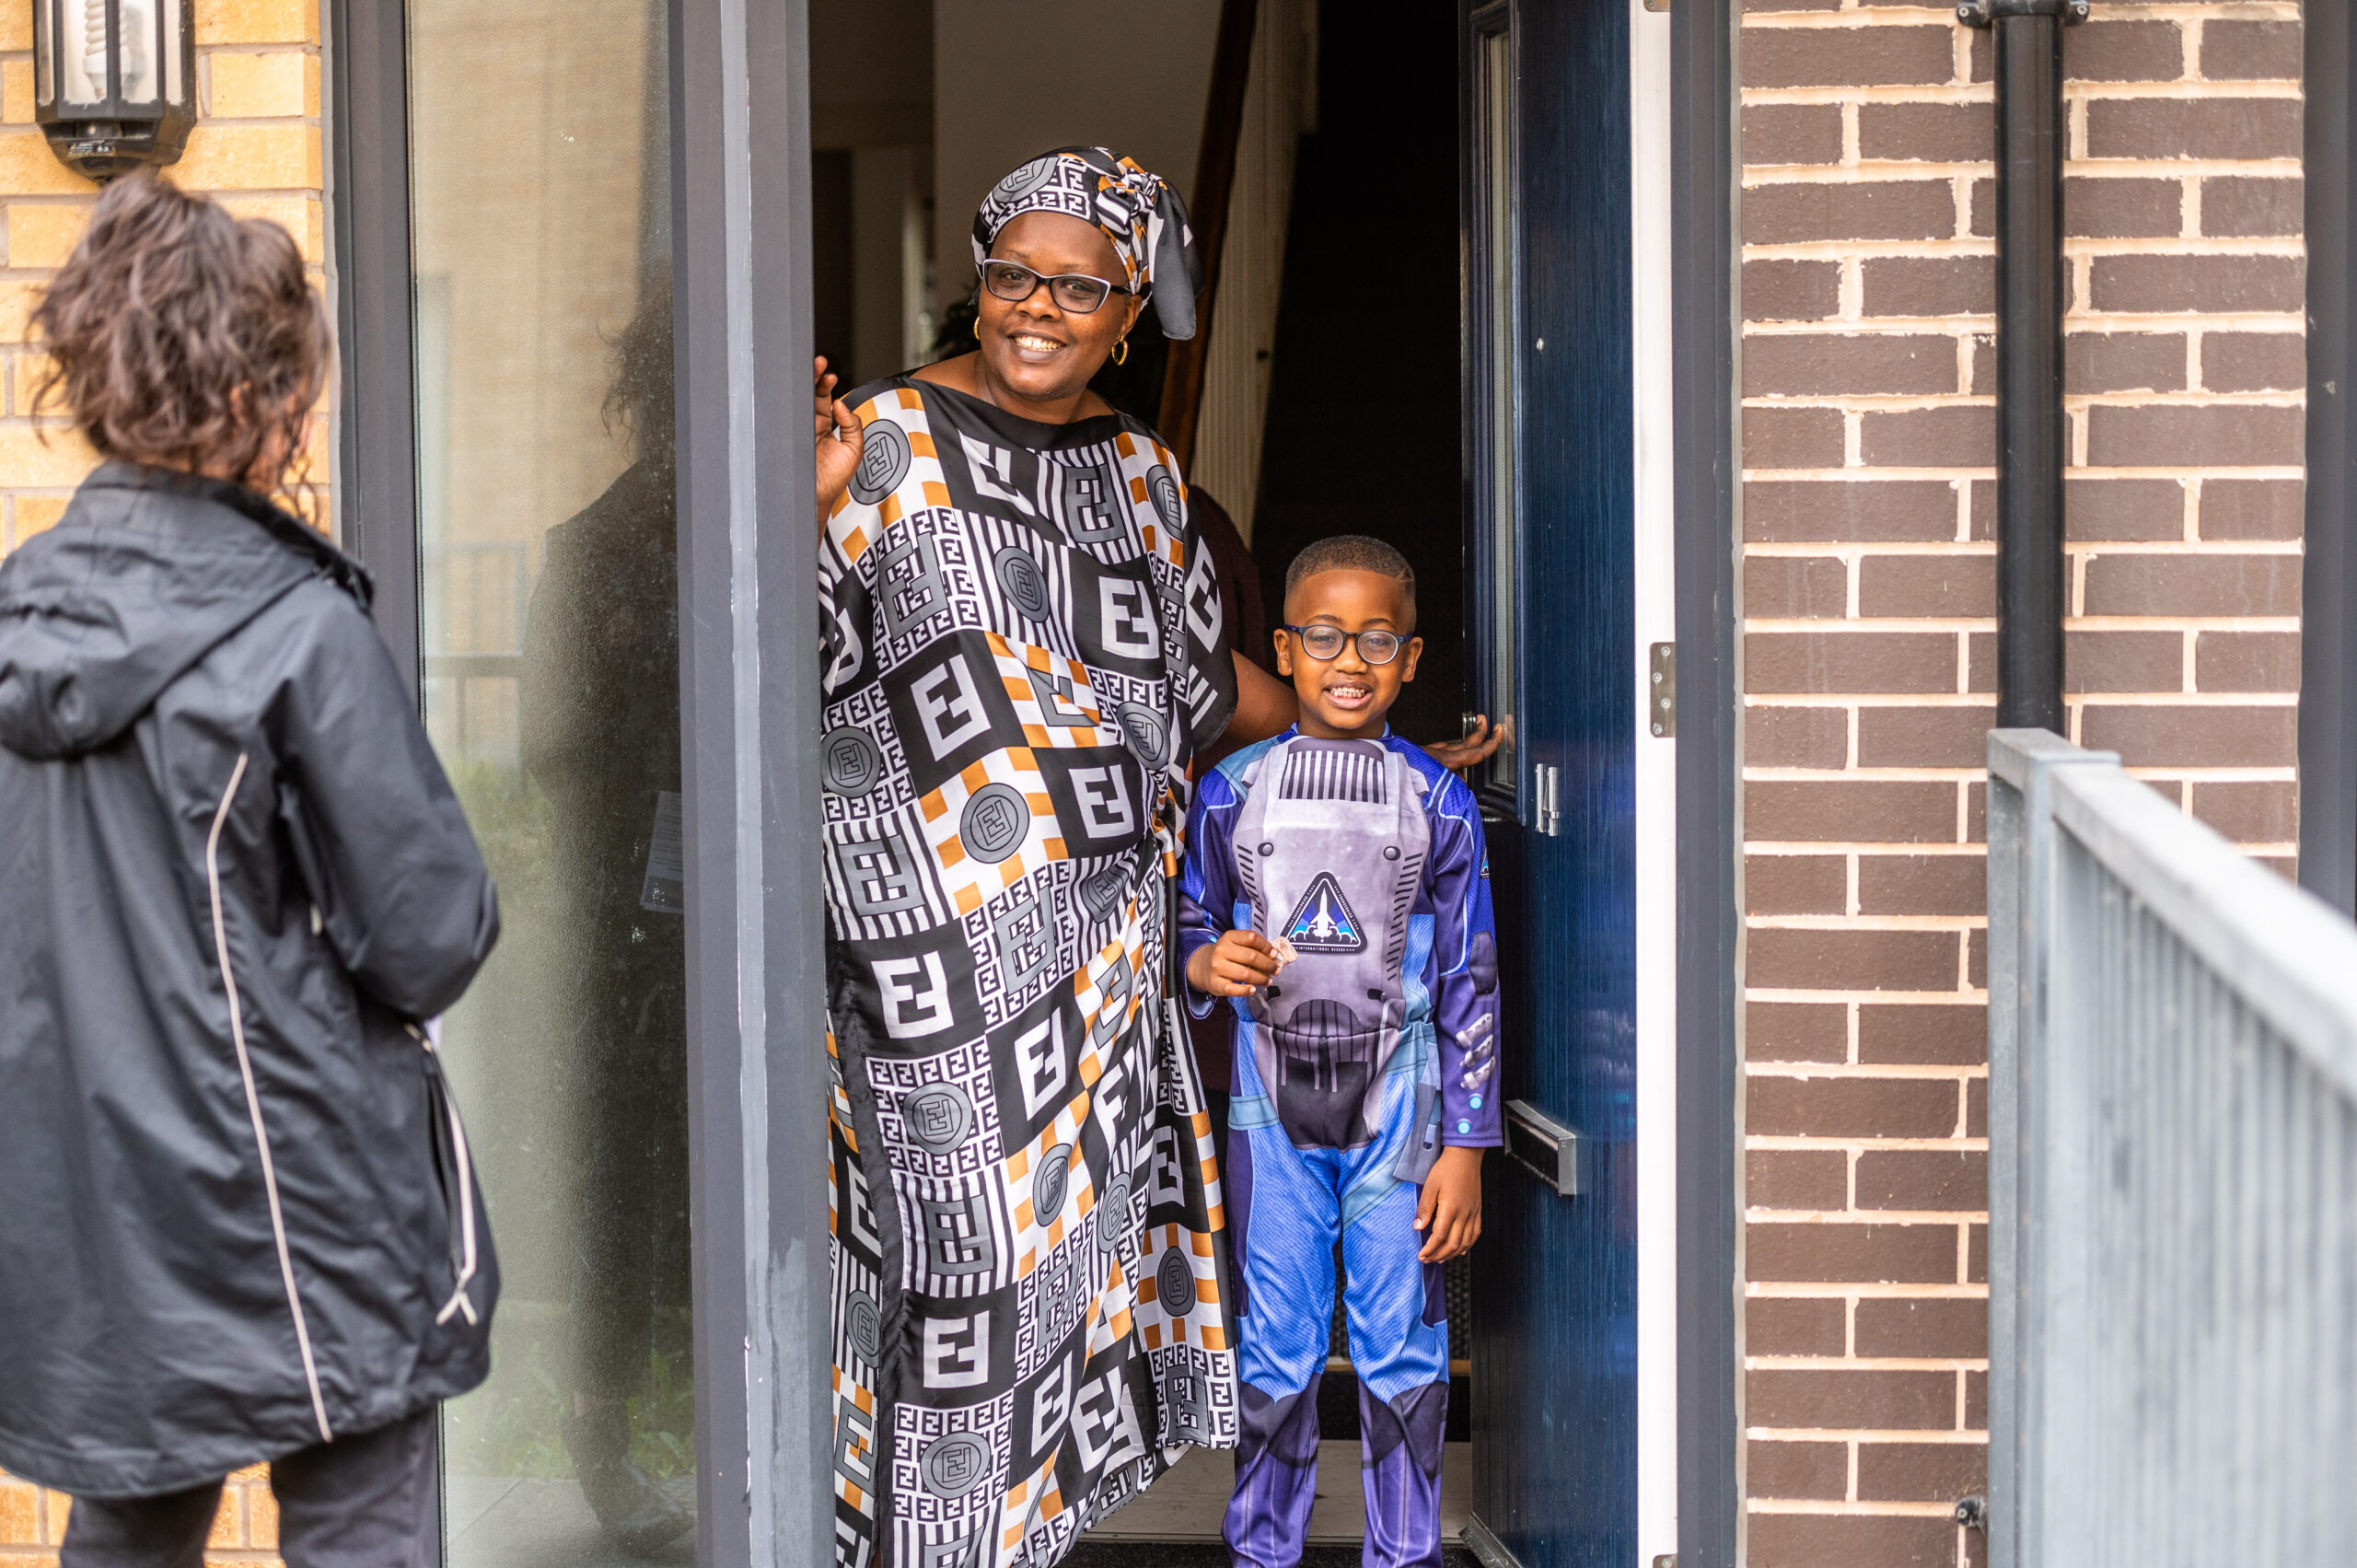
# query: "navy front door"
1551,480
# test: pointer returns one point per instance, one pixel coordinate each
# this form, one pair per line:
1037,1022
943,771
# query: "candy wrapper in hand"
1284,951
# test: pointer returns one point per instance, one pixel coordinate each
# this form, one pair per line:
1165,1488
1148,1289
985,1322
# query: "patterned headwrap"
1142,216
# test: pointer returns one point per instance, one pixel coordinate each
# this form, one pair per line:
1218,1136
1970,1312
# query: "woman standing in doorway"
1024,650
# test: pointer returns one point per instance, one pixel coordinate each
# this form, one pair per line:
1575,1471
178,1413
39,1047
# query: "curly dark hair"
181,336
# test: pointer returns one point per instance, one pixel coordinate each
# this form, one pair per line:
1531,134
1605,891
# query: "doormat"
1211,1554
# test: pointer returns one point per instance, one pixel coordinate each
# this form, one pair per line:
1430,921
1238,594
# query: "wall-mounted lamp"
114,81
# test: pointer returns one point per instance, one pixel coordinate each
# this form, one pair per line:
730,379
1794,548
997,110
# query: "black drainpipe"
2030,575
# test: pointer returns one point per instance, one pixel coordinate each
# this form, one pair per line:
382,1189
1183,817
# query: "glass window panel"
1499,678
549,593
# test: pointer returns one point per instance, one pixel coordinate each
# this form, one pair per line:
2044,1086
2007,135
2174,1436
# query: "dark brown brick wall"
1868,379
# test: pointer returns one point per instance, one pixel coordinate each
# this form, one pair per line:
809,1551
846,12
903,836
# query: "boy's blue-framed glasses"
1323,643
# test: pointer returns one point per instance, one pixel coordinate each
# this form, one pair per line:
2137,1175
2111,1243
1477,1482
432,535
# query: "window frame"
1484,331
748,673
2327,711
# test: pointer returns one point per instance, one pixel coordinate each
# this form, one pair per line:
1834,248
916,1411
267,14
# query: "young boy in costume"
1336,892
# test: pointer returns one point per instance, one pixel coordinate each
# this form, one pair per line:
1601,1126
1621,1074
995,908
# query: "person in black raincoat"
239,1220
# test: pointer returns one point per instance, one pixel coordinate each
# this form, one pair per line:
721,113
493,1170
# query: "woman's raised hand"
836,432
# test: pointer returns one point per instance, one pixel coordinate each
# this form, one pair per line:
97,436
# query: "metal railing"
2173,1185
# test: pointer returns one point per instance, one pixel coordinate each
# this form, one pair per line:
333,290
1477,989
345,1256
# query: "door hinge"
1663,689
1547,787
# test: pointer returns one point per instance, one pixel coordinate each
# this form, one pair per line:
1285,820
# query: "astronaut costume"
1368,1054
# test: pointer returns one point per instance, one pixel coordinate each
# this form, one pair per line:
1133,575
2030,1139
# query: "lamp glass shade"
175,86
141,79
44,56
82,52
115,82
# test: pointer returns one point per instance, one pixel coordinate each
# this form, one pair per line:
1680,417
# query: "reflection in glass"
138,18
82,50
1497,197
175,90
548,615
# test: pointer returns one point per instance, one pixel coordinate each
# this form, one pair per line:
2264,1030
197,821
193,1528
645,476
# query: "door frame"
1698,1425
1705,436
749,706
750,683
374,488
2327,713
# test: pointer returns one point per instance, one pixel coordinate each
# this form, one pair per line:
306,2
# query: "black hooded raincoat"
237,1216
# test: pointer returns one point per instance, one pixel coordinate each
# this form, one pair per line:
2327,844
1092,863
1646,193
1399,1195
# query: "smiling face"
1345,698
1034,350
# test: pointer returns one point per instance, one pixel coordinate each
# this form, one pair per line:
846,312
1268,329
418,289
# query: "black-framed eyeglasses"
1323,643
1075,292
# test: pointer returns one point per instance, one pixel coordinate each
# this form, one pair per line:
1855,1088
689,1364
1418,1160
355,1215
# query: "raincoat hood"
134,584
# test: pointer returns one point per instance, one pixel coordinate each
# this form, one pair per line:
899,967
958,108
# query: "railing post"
2022,933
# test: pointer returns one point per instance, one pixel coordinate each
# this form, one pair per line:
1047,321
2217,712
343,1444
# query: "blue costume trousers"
1287,1205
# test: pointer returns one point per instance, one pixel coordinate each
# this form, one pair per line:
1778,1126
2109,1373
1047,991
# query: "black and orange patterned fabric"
1024,648
1138,213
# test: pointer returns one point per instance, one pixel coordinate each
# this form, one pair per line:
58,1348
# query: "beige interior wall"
871,72
1013,77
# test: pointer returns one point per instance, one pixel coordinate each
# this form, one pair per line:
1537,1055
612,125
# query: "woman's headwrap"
1141,216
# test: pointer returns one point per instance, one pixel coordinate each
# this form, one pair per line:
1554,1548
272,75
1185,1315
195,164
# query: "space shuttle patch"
1322,922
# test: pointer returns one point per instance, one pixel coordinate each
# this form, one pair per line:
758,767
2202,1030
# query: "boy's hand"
1238,963
1449,1213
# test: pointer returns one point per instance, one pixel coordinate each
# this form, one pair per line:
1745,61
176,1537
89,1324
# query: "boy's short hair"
1352,553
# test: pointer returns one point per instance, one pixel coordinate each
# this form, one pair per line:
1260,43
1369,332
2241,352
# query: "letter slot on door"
1545,1147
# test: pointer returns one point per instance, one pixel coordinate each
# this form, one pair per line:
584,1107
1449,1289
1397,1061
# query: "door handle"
1545,1147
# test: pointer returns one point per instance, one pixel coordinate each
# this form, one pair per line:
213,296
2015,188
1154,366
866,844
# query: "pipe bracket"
1989,13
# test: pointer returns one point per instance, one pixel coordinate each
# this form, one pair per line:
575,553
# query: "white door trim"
1652,267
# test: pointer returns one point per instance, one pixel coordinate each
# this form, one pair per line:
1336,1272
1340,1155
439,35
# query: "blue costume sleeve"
1207,879
1464,950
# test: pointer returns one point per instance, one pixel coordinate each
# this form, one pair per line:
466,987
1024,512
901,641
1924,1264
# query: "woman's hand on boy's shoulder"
1240,963
1449,1209
1476,745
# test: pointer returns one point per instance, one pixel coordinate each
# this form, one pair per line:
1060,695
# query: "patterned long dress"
1024,648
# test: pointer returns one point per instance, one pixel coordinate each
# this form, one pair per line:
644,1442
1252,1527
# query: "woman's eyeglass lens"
1075,292
1322,642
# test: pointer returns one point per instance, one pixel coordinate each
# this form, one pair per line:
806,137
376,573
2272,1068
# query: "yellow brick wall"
32,1523
257,146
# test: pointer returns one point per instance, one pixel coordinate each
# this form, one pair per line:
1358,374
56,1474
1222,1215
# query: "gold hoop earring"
978,328
1121,351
